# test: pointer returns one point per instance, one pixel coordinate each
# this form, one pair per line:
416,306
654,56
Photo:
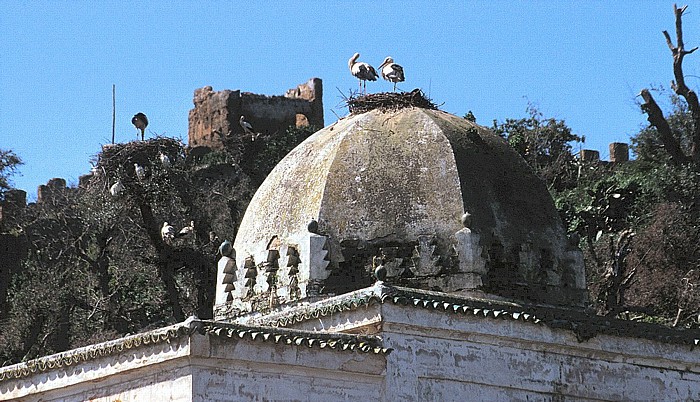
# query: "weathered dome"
394,185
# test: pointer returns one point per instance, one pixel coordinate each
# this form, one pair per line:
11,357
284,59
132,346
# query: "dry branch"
657,119
389,101
678,85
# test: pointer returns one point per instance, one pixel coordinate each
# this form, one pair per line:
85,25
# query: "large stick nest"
117,159
389,101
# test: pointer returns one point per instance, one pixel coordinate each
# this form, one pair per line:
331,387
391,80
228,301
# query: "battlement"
619,152
216,114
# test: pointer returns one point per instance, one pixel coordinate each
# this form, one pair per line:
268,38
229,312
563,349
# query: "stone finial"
271,266
313,226
467,220
226,276
251,273
293,262
225,248
379,269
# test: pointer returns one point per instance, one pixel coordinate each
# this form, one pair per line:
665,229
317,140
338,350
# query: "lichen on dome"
394,185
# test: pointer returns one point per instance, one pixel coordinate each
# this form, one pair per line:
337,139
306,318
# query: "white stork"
167,232
116,188
140,121
140,171
247,128
164,159
362,71
187,230
391,71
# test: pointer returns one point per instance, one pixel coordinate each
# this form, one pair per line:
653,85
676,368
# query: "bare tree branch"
679,85
657,119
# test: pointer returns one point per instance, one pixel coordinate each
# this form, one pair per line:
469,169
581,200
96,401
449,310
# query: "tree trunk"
654,114
657,119
165,269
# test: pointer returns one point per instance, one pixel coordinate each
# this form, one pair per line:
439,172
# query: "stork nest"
389,101
116,159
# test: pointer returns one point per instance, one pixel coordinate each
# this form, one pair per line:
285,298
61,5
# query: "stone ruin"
619,152
215,117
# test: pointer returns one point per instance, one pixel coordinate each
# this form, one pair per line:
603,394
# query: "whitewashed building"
397,255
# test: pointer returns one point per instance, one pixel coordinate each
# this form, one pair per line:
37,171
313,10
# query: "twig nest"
389,101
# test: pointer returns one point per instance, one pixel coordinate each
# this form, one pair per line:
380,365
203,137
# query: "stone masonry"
216,114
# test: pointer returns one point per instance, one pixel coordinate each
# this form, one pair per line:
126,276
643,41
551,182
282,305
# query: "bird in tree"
116,188
362,71
167,232
164,160
140,171
391,71
140,121
187,230
247,128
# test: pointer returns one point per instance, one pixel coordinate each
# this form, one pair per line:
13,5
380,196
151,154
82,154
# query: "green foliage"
647,145
637,220
97,267
545,146
263,154
9,162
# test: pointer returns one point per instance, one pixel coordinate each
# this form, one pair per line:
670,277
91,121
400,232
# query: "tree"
545,144
671,142
9,162
97,266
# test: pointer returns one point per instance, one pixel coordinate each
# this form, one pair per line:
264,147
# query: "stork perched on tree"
140,171
164,160
187,230
167,232
247,128
116,188
362,71
140,121
391,71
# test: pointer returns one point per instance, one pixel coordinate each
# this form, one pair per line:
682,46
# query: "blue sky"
583,62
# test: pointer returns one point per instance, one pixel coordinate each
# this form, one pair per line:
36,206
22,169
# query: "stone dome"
391,188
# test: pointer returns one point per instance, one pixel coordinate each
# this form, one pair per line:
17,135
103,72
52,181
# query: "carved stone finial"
467,220
313,226
380,273
225,248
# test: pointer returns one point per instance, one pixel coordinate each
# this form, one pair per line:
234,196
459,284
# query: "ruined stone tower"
215,115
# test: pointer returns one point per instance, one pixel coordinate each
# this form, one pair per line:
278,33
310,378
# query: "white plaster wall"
436,356
151,372
241,370
440,356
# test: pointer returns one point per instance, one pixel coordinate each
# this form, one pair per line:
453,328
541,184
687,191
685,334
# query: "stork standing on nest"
116,188
362,71
164,160
140,171
140,121
187,230
167,232
391,71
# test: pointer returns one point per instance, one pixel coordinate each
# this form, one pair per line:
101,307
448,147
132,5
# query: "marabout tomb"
401,253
